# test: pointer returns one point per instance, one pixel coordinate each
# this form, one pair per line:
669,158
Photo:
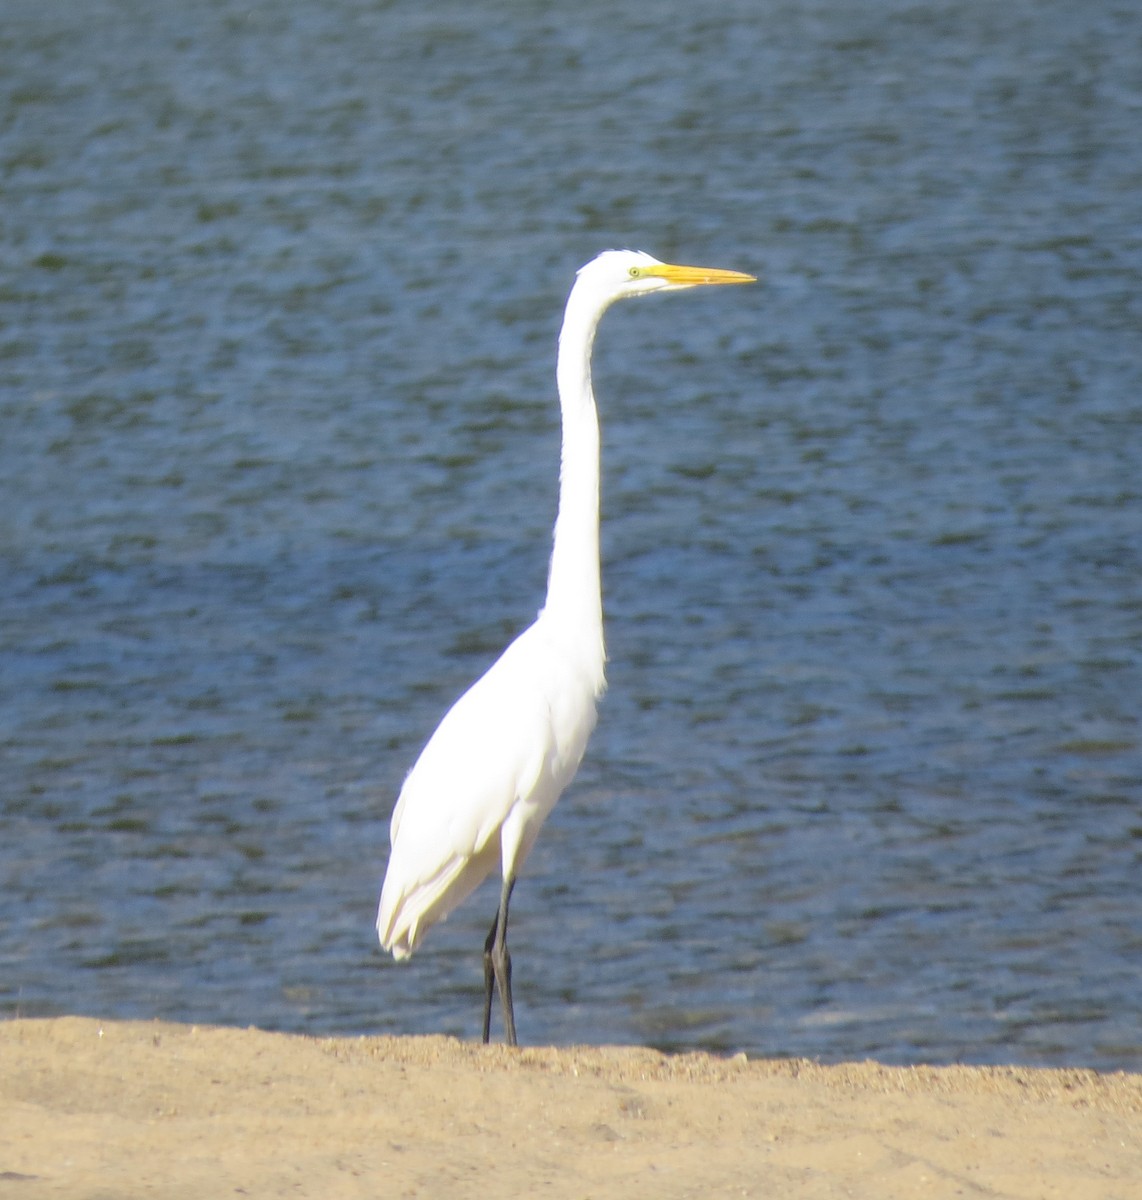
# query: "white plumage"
492,772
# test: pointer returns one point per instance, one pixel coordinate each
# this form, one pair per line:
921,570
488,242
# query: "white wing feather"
484,784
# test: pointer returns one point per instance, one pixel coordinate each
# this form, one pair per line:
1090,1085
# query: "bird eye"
635,272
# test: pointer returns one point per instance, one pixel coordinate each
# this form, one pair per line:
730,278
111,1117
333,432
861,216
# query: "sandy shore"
120,1110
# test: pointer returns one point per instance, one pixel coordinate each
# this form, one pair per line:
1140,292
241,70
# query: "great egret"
499,760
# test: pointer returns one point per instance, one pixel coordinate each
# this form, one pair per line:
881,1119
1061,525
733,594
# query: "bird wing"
491,750
487,752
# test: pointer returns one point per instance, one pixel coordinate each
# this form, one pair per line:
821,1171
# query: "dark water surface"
279,290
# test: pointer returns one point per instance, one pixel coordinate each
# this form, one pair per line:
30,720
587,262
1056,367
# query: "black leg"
498,966
489,977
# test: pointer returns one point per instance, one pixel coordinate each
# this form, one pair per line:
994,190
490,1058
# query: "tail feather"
408,910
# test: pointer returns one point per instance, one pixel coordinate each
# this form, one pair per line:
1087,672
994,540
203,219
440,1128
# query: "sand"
101,1110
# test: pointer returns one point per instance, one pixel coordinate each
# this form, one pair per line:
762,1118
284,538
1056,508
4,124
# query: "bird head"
622,273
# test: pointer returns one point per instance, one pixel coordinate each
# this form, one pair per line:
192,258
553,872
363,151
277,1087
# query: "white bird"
499,760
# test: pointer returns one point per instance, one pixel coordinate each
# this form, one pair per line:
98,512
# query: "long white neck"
574,605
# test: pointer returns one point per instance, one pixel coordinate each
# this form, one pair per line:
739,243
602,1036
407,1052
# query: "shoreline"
130,1109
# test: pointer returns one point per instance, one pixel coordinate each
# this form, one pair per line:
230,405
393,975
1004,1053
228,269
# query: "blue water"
279,290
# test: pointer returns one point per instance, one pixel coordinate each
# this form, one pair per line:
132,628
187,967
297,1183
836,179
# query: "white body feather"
496,765
485,784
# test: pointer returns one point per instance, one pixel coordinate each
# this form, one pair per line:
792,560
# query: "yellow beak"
697,276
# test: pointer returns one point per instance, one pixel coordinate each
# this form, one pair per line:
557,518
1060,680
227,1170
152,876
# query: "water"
279,292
